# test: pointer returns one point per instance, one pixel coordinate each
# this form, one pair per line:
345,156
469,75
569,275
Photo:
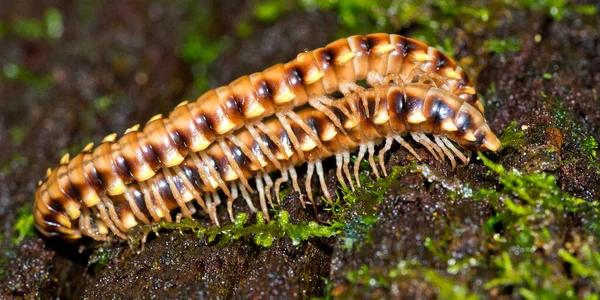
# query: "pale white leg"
268,186
293,138
347,168
310,169
371,147
192,208
246,197
311,133
439,151
175,192
407,146
318,104
381,155
421,141
439,142
234,195
295,184
232,163
284,178
361,153
375,79
337,104
339,161
263,147
458,153
322,181
261,194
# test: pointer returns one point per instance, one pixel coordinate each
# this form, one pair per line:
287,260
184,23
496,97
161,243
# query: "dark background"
72,72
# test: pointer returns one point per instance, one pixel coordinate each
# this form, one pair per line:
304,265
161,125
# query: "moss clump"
356,211
262,232
512,137
404,271
590,147
25,225
502,46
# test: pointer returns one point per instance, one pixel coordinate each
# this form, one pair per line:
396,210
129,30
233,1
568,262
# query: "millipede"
357,93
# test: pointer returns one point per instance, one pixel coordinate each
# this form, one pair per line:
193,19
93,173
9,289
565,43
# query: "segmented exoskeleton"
360,120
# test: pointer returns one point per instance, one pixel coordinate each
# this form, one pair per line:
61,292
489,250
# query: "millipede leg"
351,88
347,88
346,155
339,161
381,155
375,79
203,172
460,155
275,139
439,142
310,169
162,211
261,195
268,186
148,201
112,213
423,142
234,165
311,133
317,103
102,228
278,182
290,132
408,147
190,187
215,204
322,181
295,184
106,219
337,104
192,208
248,152
234,195
209,205
371,147
214,175
263,147
361,154
439,151
246,197
134,207
176,194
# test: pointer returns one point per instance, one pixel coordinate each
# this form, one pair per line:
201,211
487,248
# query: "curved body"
360,120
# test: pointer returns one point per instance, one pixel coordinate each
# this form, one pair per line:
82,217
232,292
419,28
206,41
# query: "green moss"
512,137
590,147
264,233
269,11
377,277
17,134
53,23
575,138
49,27
24,225
17,72
103,104
502,46
202,42
355,212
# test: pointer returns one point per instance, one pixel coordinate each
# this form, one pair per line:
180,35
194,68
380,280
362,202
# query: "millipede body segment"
226,143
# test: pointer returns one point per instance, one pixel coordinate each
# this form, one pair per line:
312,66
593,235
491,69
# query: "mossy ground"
522,222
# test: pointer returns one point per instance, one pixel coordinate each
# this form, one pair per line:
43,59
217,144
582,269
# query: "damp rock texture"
513,224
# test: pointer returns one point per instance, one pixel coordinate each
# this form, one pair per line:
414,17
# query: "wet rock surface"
117,64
